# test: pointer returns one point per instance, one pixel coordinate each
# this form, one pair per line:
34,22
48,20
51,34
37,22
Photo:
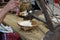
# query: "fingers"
13,0
17,3
12,4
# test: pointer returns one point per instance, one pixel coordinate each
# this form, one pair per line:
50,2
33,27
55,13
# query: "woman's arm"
11,5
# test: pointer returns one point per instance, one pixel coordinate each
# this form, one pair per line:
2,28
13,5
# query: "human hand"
12,4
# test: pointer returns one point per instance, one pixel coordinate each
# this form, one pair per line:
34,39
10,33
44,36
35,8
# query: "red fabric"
55,1
11,36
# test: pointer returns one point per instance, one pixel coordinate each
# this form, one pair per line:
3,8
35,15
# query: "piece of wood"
35,34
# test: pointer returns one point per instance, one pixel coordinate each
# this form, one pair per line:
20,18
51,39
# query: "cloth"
56,1
9,36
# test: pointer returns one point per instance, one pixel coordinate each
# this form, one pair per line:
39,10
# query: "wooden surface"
35,34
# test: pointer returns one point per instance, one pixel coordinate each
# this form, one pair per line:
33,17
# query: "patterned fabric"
56,1
9,36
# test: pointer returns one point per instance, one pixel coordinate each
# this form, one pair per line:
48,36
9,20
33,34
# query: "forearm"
10,5
3,13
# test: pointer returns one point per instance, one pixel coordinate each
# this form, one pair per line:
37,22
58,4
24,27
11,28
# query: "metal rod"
47,17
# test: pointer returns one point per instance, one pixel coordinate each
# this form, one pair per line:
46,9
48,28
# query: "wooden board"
36,34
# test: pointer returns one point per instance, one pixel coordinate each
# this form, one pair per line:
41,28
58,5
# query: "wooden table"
35,34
